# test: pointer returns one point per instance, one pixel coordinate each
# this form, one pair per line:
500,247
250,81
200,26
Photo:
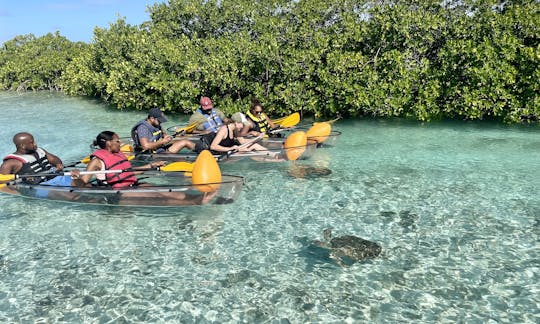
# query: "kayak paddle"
186,129
171,167
288,121
246,144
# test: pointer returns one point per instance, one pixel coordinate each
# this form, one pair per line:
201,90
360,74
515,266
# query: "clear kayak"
157,189
275,154
325,141
276,142
321,132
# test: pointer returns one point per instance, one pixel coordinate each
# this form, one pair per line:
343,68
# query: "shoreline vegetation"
471,60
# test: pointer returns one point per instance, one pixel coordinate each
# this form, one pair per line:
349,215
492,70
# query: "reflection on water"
454,206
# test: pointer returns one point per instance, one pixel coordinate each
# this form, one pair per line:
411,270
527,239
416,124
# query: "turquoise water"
455,206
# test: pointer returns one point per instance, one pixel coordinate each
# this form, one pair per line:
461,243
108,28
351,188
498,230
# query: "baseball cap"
158,114
206,103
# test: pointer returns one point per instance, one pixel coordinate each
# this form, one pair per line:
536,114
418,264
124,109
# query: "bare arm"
54,160
202,132
272,125
83,180
246,130
221,134
150,146
10,166
251,144
95,165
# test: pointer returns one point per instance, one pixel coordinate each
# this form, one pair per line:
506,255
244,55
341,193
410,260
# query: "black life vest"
32,164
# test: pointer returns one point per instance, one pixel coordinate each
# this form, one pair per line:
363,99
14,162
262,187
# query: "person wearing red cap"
149,136
208,118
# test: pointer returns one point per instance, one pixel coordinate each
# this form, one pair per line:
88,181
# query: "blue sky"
74,19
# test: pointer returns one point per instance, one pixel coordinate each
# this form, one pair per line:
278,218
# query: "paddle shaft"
246,144
279,130
172,167
67,173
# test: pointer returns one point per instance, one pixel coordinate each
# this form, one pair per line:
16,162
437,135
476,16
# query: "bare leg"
259,147
179,145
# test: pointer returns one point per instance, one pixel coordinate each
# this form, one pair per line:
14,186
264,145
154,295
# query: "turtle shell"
354,247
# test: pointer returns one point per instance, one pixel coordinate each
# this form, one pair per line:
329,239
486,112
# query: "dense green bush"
426,59
30,63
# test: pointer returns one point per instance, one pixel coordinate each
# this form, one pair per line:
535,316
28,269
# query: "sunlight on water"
454,205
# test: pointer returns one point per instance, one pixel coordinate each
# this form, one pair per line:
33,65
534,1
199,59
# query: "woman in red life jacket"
110,157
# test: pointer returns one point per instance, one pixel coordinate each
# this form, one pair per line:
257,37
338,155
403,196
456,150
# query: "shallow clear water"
455,206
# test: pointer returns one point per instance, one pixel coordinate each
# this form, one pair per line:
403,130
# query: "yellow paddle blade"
177,167
290,121
7,177
278,121
188,129
126,148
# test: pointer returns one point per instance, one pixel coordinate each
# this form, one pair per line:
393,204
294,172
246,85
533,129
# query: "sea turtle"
348,247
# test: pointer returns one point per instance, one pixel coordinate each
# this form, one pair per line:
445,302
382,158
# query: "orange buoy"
206,175
319,132
295,145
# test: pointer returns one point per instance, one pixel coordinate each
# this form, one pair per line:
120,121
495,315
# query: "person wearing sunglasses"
261,123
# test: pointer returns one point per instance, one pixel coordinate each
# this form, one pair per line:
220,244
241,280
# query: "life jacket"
32,164
213,121
116,161
157,134
260,124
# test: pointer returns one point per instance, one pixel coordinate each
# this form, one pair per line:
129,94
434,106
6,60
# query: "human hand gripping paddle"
240,147
171,167
186,129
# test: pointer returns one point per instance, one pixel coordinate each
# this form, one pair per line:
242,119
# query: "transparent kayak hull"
273,154
329,141
171,189
277,142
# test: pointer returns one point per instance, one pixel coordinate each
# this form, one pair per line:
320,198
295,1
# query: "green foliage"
30,63
426,59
